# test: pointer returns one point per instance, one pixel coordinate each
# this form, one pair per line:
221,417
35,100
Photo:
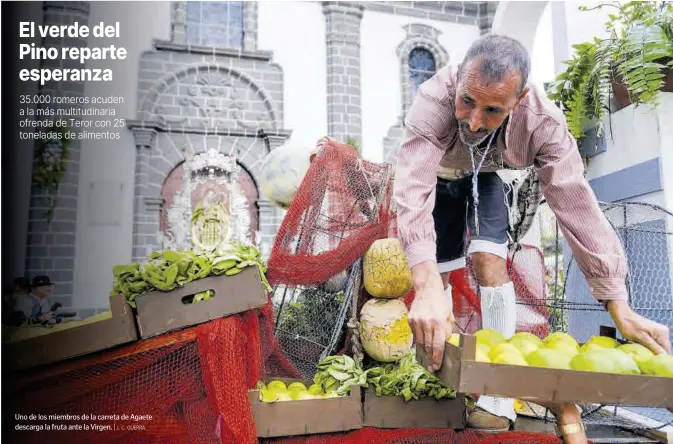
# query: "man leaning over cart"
484,117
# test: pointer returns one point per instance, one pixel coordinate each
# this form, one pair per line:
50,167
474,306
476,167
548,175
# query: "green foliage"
406,378
556,304
353,142
51,162
306,317
636,53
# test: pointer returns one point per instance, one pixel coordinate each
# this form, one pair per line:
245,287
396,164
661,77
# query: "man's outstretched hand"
636,328
431,313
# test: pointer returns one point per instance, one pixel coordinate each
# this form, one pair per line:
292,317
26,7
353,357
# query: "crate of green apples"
555,369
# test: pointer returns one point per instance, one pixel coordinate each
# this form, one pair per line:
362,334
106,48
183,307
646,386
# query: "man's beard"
471,138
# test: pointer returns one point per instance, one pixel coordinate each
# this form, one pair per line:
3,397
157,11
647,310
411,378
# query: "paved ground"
599,434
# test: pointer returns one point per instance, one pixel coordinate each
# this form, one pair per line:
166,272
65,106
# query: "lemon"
315,389
606,360
593,361
296,386
454,340
509,358
525,343
659,365
589,347
331,395
639,353
525,336
268,395
563,347
503,348
548,358
603,341
624,363
563,338
489,337
277,386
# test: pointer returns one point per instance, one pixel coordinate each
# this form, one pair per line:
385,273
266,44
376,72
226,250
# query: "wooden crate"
461,372
306,417
163,311
77,341
393,412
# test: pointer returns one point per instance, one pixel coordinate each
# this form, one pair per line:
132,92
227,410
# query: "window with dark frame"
422,67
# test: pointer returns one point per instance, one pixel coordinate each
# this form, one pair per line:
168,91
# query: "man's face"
481,107
43,291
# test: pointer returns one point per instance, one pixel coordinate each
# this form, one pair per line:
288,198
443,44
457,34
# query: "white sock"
498,406
498,312
498,309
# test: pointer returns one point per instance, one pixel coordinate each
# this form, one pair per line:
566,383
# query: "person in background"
20,287
465,125
37,305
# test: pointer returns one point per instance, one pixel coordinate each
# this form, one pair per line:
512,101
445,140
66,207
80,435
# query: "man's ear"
521,96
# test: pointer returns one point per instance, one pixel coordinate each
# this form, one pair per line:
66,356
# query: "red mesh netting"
419,436
194,383
340,209
527,272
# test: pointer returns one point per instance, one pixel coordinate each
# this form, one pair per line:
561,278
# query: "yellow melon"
385,269
384,329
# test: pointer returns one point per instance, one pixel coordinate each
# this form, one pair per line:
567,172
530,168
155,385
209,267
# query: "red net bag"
340,209
190,386
370,435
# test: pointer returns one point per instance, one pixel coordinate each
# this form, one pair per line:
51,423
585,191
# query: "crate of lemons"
278,390
561,351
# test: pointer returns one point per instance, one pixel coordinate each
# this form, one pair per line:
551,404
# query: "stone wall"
342,37
51,244
195,99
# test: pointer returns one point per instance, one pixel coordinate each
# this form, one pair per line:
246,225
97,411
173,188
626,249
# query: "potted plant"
634,63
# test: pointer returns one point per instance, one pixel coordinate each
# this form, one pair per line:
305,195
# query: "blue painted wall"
637,180
650,278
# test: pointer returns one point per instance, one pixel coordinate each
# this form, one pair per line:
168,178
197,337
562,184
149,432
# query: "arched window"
422,67
215,24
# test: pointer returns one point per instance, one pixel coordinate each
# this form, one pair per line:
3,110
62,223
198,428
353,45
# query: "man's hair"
499,55
23,283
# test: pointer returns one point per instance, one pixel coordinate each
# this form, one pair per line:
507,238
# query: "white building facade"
211,88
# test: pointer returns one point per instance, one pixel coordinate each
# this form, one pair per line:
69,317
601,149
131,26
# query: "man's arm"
594,243
427,123
416,176
591,238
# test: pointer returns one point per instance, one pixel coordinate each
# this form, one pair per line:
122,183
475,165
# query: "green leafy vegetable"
407,378
166,270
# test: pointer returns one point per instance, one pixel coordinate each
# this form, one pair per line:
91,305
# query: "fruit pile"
335,376
384,329
560,350
276,391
